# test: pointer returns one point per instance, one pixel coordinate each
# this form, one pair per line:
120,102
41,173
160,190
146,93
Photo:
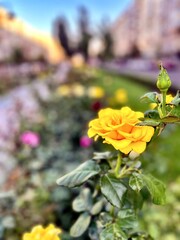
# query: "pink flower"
29,138
85,141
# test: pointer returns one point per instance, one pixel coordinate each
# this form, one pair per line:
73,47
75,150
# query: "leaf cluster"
108,203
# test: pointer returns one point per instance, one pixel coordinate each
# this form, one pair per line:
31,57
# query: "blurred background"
60,62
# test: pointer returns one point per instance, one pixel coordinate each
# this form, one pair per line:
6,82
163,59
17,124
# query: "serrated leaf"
83,202
136,182
127,219
97,207
156,188
113,189
150,97
171,119
149,122
81,225
113,232
80,175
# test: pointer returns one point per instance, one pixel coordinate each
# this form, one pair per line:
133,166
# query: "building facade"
16,34
151,26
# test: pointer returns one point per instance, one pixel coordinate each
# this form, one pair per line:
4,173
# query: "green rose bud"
163,81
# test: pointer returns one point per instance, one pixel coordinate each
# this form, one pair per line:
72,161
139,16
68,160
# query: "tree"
60,28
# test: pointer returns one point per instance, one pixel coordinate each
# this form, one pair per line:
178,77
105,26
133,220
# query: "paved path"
149,77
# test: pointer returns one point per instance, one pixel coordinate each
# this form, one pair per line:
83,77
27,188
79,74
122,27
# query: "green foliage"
136,182
113,189
114,232
81,225
163,222
156,189
121,181
150,97
80,175
83,202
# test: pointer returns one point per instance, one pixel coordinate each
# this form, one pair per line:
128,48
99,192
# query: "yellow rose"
118,128
39,233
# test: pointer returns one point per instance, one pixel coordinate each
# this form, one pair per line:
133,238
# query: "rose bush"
113,184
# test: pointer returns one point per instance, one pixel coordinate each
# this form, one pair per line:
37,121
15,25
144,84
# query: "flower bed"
57,143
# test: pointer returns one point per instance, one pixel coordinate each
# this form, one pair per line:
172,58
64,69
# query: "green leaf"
152,114
113,189
151,119
175,112
83,202
150,97
136,182
156,188
97,207
127,219
81,225
113,232
80,175
171,119
148,122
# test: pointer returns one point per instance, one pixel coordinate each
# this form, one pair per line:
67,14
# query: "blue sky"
41,13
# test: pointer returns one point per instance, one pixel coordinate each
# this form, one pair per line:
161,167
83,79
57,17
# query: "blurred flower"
77,60
40,233
64,90
85,141
169,98
95,92
96,106
78,90
121,96
30,138
118,128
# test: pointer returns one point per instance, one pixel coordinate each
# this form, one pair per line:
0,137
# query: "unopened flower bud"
163,81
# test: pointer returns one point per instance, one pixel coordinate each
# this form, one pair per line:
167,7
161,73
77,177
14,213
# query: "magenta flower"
30,138
85,141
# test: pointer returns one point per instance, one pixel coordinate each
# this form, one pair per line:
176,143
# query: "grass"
111,82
